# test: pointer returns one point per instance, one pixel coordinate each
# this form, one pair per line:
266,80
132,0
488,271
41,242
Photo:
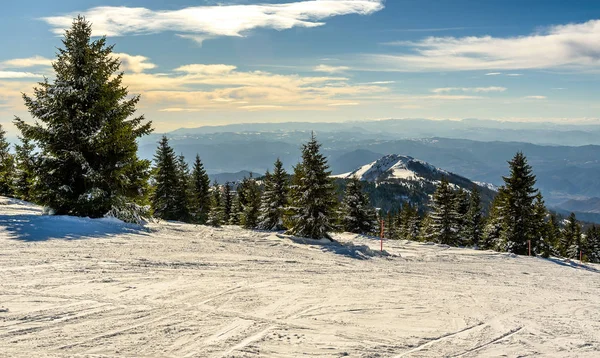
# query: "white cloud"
26,62
535,97
493,74
469,89
514,74
343,104
14,74
134,63
380,83
200,69
572,46
330,69
213,21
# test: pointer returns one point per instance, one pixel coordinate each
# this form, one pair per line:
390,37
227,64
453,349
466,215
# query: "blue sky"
206,62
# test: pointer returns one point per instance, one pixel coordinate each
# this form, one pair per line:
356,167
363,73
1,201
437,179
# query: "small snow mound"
349,249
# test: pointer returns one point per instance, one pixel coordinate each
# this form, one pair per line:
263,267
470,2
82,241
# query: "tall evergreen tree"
427,233
227,202
474,219
539,238
87,136
410,223
251,204
494,226
25,169
461,205
572,243
215,215
314,198
236,209
166,180
358,214
444,217
7,165
592,247
183,190
200,203
519,209
274,199
552,237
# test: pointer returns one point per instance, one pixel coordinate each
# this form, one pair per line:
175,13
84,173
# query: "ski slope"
72,287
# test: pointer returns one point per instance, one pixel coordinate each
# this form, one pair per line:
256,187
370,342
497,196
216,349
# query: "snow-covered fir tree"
444,218
473,230
164,200
274,199
461,205
200,189
519,209
24,170
539,243
552,237
592,247
7,166
495,223
183,190
572,242
358,214
215,215
228,196
409,222
427,233
236,209
86,132
251,204
313,194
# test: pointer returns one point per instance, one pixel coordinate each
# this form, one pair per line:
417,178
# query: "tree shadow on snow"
33,228
572,264
359,252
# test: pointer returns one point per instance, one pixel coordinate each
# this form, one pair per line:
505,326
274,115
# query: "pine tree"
494,226
358,215
572,241
461,207
444,217
519,209
274,199
88,160
427,232
553,237
7,166
474,219
314,198
236,210
409,223
227,202
593,244
251,204
215,215
539,238
183,190
25,167
166,182
200,203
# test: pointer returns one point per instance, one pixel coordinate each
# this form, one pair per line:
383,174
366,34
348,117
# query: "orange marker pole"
529,243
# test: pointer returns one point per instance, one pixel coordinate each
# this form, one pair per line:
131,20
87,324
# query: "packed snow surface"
72,287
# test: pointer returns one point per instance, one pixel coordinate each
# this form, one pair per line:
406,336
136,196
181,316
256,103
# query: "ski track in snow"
175,290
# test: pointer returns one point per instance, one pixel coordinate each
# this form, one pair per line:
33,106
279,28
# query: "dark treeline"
80,158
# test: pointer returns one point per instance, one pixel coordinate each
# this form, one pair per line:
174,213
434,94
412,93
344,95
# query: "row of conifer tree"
79,158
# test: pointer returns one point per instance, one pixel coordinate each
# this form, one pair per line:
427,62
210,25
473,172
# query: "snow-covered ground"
77,287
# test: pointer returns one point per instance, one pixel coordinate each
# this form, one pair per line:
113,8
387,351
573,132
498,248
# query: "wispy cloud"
343,104
201,22
469,89
514,74
14,74
26,62
535,97
571,46
380,83
493,73
330,69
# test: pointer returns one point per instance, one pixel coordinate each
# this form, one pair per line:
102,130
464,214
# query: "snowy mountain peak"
394,166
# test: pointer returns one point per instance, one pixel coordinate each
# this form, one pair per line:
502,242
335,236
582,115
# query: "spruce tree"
539,240
86,133
519,216
251,204
427,233
236,210
474,219
358,214
314,197
592,247
7,166
572,241
183,190
274,199
215,215
166,180
200,202
444,217
461,205
227,202
553,236
410,223
25,167
494,226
